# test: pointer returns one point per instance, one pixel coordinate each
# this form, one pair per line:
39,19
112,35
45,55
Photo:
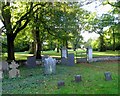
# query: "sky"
92,8
99,10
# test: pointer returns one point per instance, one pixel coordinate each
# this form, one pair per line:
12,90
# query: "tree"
13,25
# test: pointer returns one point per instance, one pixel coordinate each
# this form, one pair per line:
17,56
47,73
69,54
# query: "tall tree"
13,25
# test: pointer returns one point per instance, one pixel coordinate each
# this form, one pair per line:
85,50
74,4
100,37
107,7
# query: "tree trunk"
38,44
10,47
58,49
113,41
66,42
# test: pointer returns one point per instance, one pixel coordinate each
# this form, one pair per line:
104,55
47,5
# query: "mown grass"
32,81
78,54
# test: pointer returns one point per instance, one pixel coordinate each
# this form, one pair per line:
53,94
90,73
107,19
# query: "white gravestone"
89,54
14,72
49,65
64,52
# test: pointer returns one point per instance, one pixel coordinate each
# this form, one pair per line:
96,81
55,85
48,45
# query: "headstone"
49,66
14,72
1,74
64,61
78,78
107,76
4,66
31,62
64,52
89,54
71,60
60,83
44,57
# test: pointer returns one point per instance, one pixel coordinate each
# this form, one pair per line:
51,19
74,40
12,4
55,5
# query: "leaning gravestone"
31,62
71,60
107,76
14,72
49,66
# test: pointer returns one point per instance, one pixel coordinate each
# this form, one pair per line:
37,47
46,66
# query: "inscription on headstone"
31,62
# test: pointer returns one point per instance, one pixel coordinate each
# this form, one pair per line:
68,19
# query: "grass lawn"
24,55
32,81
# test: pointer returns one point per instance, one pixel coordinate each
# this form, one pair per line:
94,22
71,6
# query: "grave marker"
14,72
89,54
71,60
49,66
60,84
107,76
78,78
31,62
64,52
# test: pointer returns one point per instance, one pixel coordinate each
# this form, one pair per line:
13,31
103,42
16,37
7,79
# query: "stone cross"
14,72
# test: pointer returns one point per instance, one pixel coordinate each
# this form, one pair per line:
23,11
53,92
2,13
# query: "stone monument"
89,54
64,52
49,66
14,72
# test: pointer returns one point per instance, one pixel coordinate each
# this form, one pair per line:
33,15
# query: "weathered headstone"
89,54
64,52
4,66
44,57
14,72
78,78
49,66
107,76
60,83
71,60
1,74
31,62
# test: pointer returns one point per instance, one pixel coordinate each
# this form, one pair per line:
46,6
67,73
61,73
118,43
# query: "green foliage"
32,81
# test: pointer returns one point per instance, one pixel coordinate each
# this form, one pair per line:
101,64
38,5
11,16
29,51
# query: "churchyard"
80,78
32,81
59,47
